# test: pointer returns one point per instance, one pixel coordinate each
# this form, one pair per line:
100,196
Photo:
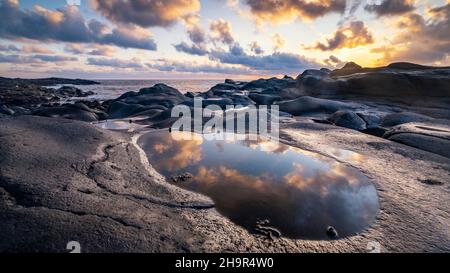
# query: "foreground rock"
64,181
434,138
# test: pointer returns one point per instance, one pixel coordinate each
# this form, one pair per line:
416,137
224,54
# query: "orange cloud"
279,11
422,39
353,35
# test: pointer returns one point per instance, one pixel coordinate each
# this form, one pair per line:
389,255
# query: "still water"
297,192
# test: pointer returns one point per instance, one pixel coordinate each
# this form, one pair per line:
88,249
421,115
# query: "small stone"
332,232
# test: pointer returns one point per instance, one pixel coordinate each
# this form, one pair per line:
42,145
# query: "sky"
216,39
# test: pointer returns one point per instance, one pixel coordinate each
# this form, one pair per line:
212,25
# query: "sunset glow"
216,38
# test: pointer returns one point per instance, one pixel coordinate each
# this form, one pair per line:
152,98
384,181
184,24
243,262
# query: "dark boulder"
70,91
348,119
120,109
264,99
76,111
306,105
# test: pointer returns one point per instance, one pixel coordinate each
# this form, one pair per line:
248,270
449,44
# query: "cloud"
9,48
198,50
74,49
115,63
221,31
421,39
334,62
35,49
170,66
196,34
278,11
20,59
353,35
54,58
146,13
65,25
256,48
278,41
391,7
102,51
277,62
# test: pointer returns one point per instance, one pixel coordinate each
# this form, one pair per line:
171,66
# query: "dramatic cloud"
276,62
198,50
115,63
256,48
221,31
277,11
422,40
391,7
146,13
353,35
65,25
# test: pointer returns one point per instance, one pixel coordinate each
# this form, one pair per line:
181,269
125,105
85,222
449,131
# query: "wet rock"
332,233
373,120
431,182
77,111
70,91
120,109
268,83
243,100
264,99
348,119
19,111
160,96
403,117
127,95
182,178
375,131
221,102
308,104
190,95
434,138
263,228
348,69
317,82
6,111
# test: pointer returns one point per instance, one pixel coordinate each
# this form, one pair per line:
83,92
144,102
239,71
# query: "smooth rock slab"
434,138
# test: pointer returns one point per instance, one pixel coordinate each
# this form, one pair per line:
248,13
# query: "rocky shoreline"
100,192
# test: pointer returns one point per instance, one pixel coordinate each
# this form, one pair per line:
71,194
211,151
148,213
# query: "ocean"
111,89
